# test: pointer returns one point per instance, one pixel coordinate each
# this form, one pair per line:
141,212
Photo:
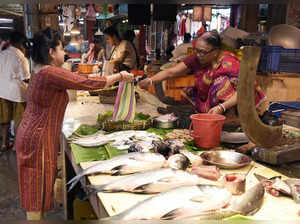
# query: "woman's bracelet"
151,81
121,76
223,107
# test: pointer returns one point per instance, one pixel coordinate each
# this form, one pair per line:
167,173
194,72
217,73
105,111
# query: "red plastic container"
206,129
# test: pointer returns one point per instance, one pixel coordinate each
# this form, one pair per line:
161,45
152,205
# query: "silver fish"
195,160
177,203
247,204
149,182
250,202
124,164
178,161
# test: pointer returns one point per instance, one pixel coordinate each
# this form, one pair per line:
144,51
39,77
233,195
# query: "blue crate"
278,59
279,106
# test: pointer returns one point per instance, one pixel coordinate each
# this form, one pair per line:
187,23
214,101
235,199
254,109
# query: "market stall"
109,204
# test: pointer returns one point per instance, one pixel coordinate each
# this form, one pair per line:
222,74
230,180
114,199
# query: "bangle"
151,81
223,107
121,76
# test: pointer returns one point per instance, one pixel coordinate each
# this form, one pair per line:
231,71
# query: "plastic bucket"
206,129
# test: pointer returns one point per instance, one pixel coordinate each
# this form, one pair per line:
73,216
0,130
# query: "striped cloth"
125,103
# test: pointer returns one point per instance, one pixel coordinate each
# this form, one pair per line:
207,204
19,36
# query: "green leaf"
159,131
112,151
104,117
84,154
85,129
140,116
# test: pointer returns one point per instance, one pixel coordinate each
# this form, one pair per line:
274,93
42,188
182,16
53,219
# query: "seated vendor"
216,73
96,52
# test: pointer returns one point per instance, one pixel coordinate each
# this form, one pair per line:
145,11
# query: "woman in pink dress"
37,140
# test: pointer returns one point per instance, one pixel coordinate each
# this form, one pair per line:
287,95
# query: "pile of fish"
150,182
276,186
201,201
121,140
124,164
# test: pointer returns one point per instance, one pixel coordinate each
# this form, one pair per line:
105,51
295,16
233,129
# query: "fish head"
178,161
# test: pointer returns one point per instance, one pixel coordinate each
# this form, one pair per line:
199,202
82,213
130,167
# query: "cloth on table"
125,103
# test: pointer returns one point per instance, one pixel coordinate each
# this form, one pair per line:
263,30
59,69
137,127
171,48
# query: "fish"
121,140
195,160
150,182
249,202
178,161
178,203
274,185
124,164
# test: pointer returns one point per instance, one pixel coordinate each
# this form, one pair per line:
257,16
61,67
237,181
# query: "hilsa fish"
124,164
150,182
178,203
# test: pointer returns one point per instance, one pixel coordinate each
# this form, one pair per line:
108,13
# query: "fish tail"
73,182
93,190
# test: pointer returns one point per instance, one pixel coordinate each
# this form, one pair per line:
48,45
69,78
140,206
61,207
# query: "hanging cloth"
207,13
188,25
182,27
197,13
90,14
125,103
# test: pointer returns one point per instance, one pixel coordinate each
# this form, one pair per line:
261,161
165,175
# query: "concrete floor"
9,196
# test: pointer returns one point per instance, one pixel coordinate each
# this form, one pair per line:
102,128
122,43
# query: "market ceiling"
192,2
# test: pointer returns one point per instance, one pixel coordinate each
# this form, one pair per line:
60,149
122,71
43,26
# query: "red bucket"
206,129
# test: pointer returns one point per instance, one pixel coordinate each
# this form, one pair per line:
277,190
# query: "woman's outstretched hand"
126,76
144,84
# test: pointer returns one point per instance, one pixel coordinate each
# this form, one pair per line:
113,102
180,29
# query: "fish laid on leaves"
149,182
178,203
121,140
246,204
199,202
124,164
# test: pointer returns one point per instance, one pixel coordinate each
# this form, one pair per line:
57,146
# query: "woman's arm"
64,79
221,108
178,70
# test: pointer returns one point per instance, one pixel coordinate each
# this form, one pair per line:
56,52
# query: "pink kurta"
37,140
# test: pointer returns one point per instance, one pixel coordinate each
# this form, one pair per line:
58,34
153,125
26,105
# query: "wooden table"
108,204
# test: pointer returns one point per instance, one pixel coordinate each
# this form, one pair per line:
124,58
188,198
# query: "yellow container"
83,210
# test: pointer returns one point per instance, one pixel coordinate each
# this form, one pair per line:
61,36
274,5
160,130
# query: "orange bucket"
206,129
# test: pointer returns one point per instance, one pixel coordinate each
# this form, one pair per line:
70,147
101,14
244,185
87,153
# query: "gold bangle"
223,107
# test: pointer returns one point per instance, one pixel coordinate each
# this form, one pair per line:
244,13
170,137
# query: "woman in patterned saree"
216,77
37,140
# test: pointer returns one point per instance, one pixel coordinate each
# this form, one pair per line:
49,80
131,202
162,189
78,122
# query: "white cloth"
14,68
188,25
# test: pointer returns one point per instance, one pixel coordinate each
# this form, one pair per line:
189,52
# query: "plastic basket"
278,59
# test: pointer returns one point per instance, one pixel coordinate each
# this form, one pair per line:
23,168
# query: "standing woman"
123,56
38,135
